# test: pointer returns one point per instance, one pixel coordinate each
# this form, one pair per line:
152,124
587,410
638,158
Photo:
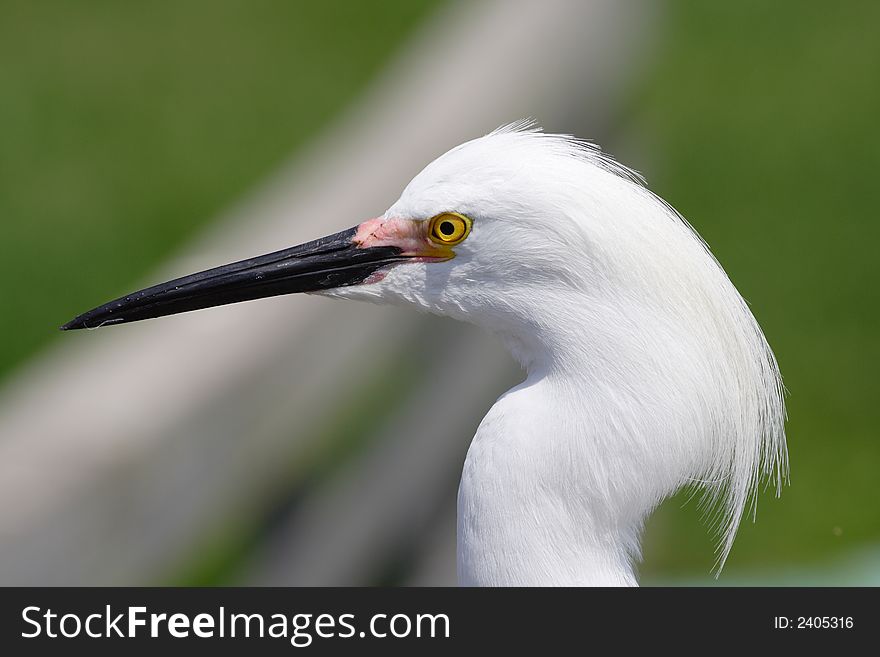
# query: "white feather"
647,372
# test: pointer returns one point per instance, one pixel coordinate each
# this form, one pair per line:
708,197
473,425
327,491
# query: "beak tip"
83,321
89,320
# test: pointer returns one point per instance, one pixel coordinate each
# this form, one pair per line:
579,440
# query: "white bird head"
591,280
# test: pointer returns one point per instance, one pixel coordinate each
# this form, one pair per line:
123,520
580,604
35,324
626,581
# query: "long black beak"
333,261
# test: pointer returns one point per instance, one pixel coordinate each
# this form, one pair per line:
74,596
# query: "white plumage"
646,370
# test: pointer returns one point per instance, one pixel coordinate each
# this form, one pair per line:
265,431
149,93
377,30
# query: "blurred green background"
127,126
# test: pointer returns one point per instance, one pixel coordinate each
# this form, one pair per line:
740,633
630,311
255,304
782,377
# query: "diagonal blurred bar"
358,523
84,502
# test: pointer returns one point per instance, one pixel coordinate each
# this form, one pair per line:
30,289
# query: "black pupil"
447,228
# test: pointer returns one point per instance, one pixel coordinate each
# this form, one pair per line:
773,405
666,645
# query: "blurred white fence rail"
122,449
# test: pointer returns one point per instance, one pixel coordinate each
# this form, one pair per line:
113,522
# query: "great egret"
646,371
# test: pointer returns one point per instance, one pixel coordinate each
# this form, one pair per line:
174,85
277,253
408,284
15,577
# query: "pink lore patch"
406,234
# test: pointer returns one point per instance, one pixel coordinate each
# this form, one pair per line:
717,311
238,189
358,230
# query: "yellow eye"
449,228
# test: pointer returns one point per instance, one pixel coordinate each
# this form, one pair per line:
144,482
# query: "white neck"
564,468
533,512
